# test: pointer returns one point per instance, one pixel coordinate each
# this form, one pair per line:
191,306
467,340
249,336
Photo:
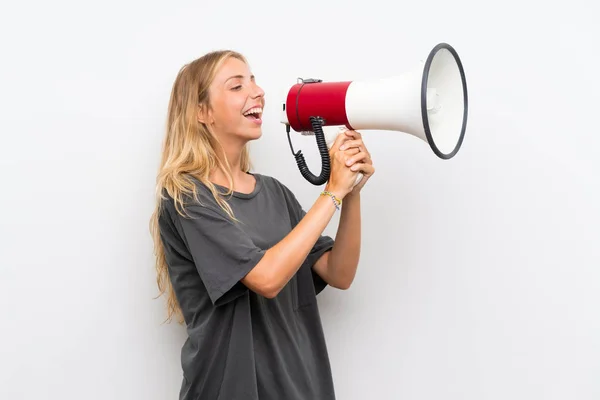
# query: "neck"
233,153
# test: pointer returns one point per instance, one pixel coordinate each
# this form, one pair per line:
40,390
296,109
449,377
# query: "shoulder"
197,195
276,186
281,192
272,182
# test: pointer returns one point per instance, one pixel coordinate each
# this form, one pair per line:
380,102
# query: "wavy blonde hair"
189,151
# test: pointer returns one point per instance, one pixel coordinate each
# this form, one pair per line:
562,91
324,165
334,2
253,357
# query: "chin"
255,135
250,134
254,132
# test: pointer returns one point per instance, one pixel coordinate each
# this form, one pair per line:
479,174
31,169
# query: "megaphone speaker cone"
444,101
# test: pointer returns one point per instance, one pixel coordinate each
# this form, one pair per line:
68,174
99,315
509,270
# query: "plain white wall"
479,277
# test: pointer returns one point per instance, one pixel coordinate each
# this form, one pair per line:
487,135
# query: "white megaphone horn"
429,102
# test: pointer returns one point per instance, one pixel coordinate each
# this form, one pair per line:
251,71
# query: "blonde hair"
189,151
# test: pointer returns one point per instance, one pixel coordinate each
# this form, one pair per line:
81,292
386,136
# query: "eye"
238,87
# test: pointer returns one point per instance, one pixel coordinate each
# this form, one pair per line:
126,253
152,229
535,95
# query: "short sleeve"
222,252
323,244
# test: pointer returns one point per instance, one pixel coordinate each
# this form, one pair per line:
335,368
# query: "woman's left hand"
359,158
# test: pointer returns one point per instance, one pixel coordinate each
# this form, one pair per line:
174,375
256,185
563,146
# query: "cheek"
222,113
227,110
234,109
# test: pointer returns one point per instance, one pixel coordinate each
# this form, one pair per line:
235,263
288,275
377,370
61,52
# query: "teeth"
255,110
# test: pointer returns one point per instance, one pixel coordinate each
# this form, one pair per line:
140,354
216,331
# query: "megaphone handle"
317,125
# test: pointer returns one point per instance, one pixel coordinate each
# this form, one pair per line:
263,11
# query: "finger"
366,169
345,155
349,153
359,145
339,140
352,143
353,134
359,157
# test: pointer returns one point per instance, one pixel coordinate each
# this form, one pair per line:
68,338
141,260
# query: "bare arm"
338,267
282,261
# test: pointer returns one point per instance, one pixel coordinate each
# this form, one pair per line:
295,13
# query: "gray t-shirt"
243,346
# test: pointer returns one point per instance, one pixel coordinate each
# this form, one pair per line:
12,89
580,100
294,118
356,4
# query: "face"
236,103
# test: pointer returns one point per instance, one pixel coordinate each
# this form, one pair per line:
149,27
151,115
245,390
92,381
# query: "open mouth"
253,113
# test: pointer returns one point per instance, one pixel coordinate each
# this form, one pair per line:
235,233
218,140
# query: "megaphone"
429,102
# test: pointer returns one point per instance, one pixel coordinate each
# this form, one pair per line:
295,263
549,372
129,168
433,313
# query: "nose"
257,91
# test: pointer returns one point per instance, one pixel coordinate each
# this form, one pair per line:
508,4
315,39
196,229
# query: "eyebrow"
238,77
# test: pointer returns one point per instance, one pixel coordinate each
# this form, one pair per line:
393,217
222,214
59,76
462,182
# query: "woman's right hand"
341,179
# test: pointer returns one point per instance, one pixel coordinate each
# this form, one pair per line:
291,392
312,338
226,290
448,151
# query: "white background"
479,277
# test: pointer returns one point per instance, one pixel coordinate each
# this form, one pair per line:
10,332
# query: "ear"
204,115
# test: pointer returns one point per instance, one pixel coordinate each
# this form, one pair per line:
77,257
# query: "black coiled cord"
317,126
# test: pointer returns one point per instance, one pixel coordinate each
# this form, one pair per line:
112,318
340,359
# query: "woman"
241,261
